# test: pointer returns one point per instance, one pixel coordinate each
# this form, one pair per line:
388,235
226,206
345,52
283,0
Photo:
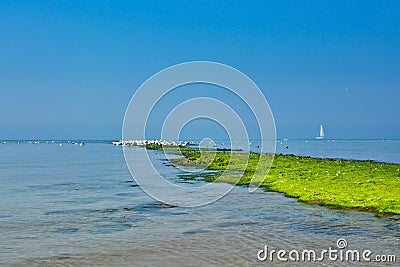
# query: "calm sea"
78,206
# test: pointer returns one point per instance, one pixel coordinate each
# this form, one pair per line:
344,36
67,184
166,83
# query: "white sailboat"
321,133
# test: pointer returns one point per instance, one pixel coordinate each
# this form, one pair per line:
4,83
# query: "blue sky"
69,68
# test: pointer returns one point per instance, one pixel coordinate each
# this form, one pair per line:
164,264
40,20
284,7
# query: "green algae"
349,184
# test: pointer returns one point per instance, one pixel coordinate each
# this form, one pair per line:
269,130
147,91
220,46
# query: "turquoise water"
77,206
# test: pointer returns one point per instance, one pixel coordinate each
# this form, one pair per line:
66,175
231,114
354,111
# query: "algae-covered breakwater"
364,185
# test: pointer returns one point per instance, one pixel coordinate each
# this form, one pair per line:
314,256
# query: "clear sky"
69,68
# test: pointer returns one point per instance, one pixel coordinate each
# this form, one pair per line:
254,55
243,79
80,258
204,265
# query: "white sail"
321,133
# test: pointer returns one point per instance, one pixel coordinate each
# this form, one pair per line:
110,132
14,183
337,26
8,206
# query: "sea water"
71,205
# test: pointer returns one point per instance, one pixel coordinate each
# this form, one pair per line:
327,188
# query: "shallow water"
74,206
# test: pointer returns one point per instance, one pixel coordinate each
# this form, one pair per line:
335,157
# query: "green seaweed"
177,148
350,184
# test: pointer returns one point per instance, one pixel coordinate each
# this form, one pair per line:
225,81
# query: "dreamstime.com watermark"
340,253
178,77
